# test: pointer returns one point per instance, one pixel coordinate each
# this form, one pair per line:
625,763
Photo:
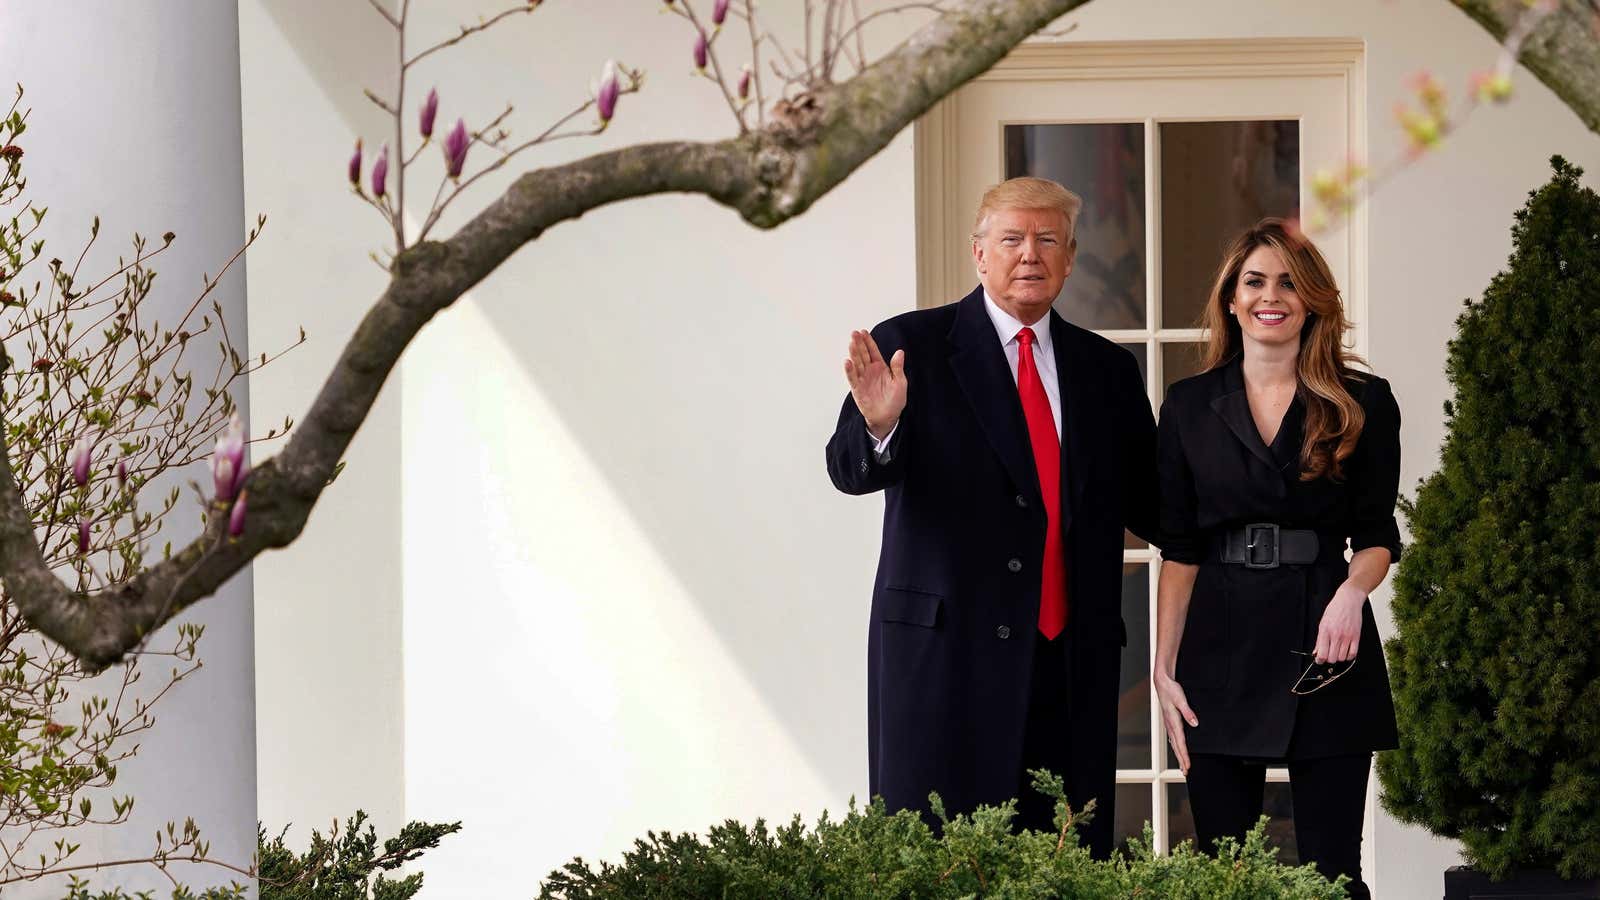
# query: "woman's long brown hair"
1333,417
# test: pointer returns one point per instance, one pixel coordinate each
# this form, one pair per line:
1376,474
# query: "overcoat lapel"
1233,407
980,367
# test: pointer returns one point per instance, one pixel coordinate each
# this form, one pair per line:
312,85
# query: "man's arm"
1140,493
867,450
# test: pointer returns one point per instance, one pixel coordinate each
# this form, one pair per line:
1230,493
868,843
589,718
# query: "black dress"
1236,662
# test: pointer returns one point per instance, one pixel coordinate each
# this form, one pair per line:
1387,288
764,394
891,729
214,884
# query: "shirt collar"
1006,326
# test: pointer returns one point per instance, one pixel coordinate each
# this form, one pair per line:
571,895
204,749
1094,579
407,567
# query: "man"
1012,448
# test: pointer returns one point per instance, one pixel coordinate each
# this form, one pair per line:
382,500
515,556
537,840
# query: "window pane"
1133,810
1133,707
1103,164
1278,806
1179,361
1180,819
1279,803
1217,178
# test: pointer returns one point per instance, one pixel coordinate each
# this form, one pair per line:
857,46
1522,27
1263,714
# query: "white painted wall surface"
631,599
328,627
136,118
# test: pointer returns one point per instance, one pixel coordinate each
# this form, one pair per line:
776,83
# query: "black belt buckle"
1252,541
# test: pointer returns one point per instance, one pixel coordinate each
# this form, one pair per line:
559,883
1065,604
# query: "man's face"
1023,258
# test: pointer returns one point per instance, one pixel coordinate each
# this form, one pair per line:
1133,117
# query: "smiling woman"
1270,461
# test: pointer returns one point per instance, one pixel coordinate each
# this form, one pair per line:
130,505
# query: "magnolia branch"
1562,50
768,176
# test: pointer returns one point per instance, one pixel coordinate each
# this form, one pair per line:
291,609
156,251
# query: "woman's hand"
1339,635
1175,712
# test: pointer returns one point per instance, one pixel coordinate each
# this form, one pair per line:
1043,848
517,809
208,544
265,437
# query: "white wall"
630,598
615,504
328,627
136,118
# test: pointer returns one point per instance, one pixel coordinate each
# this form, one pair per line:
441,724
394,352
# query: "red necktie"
1047,460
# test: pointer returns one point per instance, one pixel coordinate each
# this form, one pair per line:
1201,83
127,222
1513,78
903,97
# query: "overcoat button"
1022,501
1014,564
1003,632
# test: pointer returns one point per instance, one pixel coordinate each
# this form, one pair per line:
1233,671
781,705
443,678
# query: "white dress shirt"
1006,329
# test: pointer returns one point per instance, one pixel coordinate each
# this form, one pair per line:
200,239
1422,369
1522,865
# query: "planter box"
1462,883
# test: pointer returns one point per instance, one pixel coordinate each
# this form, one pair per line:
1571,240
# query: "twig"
384,12
466,32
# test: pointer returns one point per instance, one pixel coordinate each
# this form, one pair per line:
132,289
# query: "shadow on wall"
696,361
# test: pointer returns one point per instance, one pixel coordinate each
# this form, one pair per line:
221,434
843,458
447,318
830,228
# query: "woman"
1266,649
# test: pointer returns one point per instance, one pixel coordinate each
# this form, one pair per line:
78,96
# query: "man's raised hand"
879,387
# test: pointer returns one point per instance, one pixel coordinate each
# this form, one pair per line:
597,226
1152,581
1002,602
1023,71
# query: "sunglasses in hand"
1318,675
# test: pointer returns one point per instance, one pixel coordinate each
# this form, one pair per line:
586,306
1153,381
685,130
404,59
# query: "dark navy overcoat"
955,603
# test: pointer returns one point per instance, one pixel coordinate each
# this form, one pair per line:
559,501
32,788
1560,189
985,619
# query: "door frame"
942,215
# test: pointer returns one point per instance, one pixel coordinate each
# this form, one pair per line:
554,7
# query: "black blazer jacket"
956,599
1236,661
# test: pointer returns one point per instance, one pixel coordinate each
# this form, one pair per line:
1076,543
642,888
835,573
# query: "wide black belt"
1263,545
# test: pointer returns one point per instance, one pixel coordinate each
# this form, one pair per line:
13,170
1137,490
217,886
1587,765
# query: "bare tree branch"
385,13
470,30
768,176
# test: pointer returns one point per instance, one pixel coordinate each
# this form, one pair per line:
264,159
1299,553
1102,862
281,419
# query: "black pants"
1330,799
1047,744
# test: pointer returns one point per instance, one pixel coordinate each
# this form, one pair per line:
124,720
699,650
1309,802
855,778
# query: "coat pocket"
909,606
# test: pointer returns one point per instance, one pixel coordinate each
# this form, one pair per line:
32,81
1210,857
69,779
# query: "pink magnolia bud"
430,108
1493,86
82,454
228,467
700,49
719,12
1430,92
83,535
455,149
1423,130
606,99
236,518
744,83
122,473
355,165
380,172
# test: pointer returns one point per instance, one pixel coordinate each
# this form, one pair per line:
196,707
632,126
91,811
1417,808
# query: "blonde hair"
1333,417
1027,192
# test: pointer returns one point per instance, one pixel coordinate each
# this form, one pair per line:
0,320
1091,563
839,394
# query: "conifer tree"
1496,657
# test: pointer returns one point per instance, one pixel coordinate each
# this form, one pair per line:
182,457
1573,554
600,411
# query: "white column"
135,118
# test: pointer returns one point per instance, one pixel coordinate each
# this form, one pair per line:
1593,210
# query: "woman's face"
1265,303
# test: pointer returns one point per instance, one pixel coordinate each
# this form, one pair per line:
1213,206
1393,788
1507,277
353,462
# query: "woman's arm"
1172,610
1339,634
1374,532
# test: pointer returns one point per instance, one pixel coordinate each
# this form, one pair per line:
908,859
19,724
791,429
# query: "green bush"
1495,663
345,865
872,854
